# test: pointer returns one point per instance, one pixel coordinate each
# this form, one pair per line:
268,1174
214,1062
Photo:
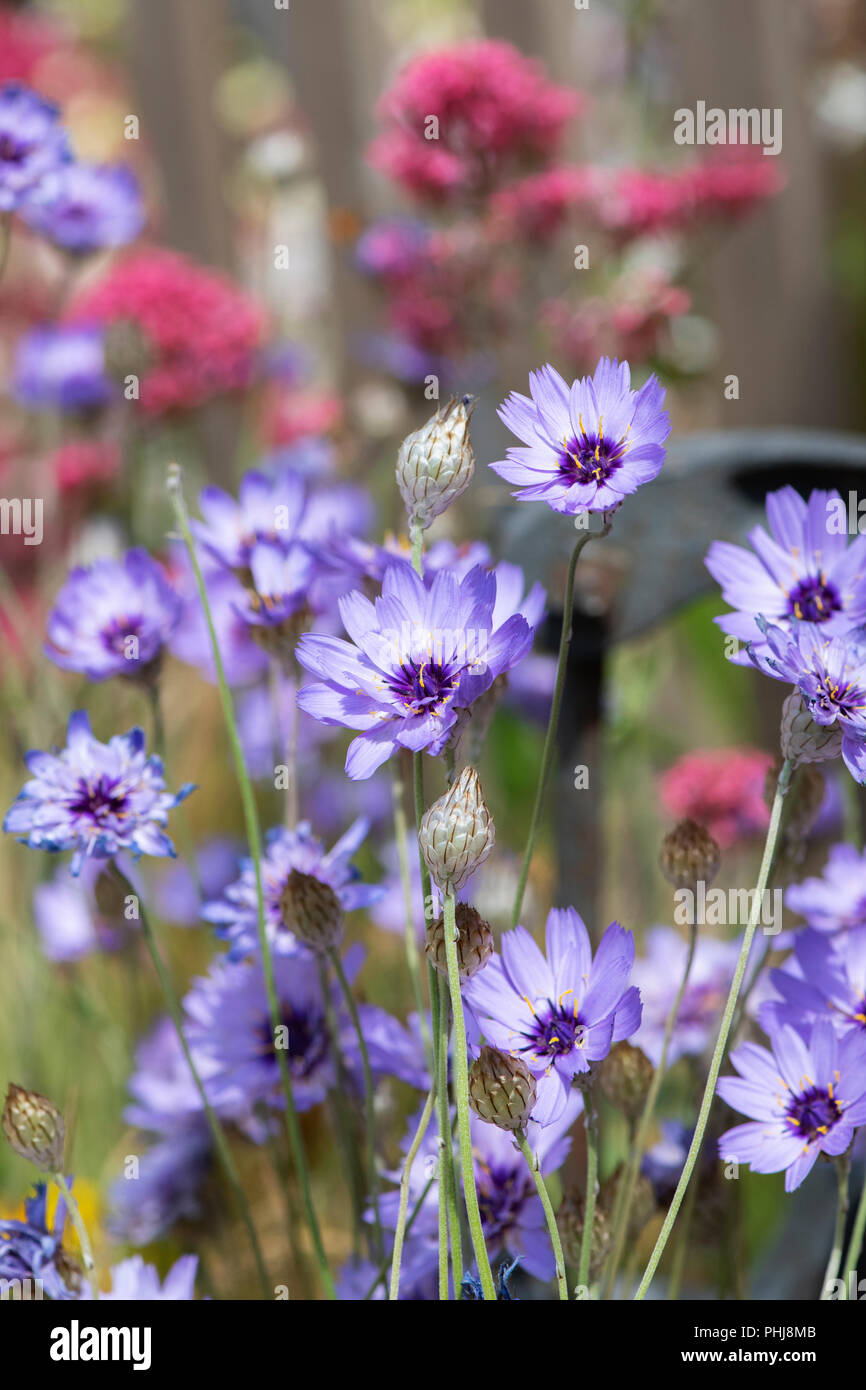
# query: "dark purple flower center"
420,685
118,632
814,600
590,458
844,699
12,150
554,1032
98,800
501,1198
307,1039
813,1113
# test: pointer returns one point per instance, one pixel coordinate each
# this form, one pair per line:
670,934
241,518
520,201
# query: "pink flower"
722,788
80,462
299,415
200,332
494,107
630,321
537,207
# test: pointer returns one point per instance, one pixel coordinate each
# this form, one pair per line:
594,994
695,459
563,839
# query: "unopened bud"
570,1219
474,942
34,1128
804,741
311,909
689,855
435,464
626,1076
501,1089
457,833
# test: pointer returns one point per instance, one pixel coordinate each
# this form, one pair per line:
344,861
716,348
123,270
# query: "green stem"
340,1112
724,1030
369,1100
401,834
382,1271
76,1219
678,1262
461,1096
553,721
251,821
448,1174
843,1172
591,1123
217,1132
540,1187
405,1182
855,1244
416,541
628,1191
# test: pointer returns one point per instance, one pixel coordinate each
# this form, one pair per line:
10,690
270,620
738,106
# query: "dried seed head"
435,464
34,1128
457,833
804,741
689,855
626,1076
474,942
311,909
570,1219
501,1089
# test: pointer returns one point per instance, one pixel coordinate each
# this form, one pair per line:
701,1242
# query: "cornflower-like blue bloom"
133,1281
558,1013
281,582
229,1033
473,1292
31,1249
235,915
62,368
836,901
831,676
74,916
33,144
804,1098
243,659
113,618
658,975
799,573
588,445
825,979
87,207
94,798
166,1188
418,656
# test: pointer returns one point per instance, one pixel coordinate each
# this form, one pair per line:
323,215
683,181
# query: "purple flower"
800,573
62,368
86,207
659,974
587,445
32,143
831,676
68,916
94,798
418,656
235,914
165,1189
392,246
835,902
243,659
560,1013
179,891
33,1250
113,618
281,584
133,1281
825,979
804,1098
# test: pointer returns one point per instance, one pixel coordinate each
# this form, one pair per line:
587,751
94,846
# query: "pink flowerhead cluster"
721,788
637,202
494,108
537,207
200,333
631,320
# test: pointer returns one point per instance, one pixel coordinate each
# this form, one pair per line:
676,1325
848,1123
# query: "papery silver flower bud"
804,741
474,942
34,1128
502,1089
457,833
312,910
436,463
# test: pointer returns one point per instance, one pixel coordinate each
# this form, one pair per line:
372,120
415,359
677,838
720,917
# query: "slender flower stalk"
405,1181
623,1206
293,1128
76,1218
855,1244
843,1173
369,1099
448,1175
217,1132
550,1217
553,721
412,955
340,1112
461,1095
591,1122
724,1030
